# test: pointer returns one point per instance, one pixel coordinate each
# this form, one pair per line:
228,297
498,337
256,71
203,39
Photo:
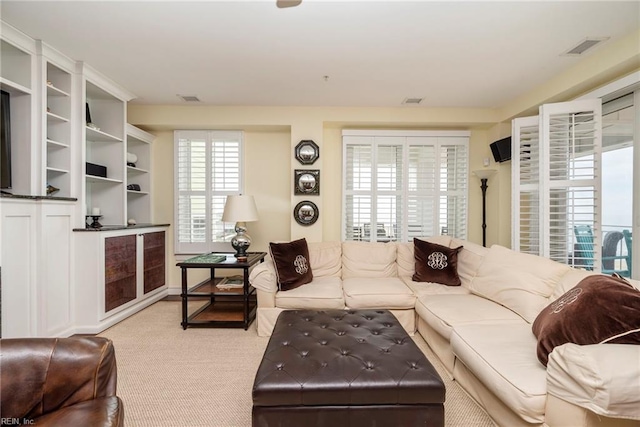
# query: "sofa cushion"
444,312
291,263
597,310
469,259
325,258
387,292
368,259
584,375
322,292
520,282
502,356
407,260
425,288
436,263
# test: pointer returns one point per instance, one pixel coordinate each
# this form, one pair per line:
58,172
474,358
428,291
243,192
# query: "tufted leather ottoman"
345,368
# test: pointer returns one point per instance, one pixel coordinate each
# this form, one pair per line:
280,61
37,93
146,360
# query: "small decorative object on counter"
51,190
95,223
131,221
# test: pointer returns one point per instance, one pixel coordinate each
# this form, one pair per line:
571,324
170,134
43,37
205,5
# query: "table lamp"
240,209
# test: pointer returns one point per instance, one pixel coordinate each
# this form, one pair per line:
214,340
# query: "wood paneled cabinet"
154,261
129,267
120,278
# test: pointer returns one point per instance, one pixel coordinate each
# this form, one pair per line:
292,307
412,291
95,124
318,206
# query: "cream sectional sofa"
480,331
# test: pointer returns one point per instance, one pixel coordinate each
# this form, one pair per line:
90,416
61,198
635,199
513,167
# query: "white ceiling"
454,54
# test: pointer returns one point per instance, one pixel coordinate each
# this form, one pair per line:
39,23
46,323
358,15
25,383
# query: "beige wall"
271,133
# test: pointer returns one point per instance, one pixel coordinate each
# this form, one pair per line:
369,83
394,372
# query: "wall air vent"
189,98
584,46
412,101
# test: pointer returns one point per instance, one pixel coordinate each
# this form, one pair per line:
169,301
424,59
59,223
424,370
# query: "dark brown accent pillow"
436,263
600,309
292,264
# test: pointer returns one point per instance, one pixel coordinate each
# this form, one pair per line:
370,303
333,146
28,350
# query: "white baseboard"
120,316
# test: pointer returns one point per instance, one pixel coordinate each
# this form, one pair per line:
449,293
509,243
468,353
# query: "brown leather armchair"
59,382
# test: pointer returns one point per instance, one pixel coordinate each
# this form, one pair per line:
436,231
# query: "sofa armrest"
43,375
603,378
263,277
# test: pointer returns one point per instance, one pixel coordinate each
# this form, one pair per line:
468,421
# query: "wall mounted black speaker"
501,150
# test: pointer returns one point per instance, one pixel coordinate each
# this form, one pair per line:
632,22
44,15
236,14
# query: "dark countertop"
30,197
121,227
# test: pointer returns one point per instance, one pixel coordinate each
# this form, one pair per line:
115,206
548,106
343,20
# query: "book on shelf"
231,282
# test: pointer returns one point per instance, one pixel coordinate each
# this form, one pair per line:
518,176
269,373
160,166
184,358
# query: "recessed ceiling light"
412,101
189,98
584,45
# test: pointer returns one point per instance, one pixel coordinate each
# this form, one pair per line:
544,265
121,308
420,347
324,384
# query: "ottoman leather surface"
344,358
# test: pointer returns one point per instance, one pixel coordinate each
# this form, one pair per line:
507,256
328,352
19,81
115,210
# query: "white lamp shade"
240,209
484,173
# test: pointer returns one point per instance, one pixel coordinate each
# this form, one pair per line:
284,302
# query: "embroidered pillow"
292,264
599,309
436,263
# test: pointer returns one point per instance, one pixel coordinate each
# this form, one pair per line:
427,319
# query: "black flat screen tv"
5,140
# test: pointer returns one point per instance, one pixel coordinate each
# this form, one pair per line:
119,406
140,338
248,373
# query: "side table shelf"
233,307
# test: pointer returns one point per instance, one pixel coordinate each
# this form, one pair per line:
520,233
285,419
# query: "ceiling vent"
584,46
412,101
189,98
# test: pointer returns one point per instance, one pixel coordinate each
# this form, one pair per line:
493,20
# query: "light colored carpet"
204,376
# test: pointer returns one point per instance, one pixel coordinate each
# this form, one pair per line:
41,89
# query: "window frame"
209,136
406,139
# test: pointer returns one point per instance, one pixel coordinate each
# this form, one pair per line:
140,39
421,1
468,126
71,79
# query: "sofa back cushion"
406,258
520,282
369,259
325,258
469,259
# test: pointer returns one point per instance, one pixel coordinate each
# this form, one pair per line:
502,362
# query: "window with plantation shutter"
208,168
556,191
404,184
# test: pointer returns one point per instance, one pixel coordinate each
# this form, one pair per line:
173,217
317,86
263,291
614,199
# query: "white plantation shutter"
208,169
572,136
453,171
399,185
422,190
556,182
526,207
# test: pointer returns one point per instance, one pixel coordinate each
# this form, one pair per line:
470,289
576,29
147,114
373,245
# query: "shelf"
99,179
51,117
136,171
13,88
56,144
54,91
94,135
137,193
56,170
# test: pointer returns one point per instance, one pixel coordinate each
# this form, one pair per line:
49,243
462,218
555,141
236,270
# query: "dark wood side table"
227,308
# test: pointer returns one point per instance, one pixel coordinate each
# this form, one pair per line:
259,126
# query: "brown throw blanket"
600,309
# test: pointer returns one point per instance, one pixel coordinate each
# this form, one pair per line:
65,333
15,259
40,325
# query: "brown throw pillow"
599,309
292,263
436,263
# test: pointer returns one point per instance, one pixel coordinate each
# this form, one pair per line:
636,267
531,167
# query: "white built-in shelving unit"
139,202
104,145
42,253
